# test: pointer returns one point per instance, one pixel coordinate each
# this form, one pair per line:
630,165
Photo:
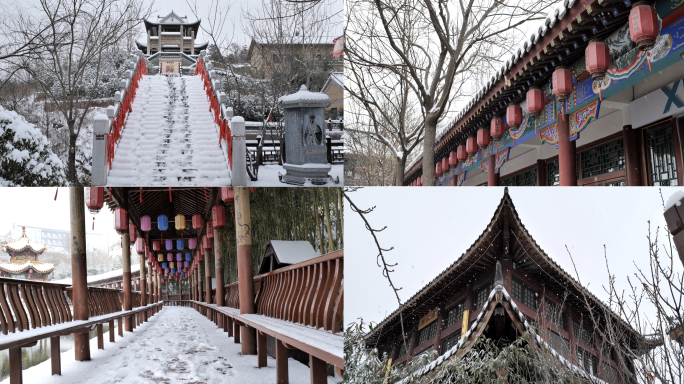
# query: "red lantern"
227,194
94,197
513,116
643,25
445,164
132,232
156,245
120,221
218,216
471,146
206,242
210,229
597,59
497,128
535,101
562,83
461,154
197,221
483,137
438,169
140,245
453,160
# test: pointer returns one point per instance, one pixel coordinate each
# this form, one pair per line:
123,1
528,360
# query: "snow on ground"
268,177
170,137
177,345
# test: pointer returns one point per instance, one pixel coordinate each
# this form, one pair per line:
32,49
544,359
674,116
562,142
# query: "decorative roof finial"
498,276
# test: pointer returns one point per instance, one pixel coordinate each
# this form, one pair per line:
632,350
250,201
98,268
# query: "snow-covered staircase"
170,137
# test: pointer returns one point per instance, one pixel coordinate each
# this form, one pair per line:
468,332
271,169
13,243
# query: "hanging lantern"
496,128
438,169
188,256
160,257
453,161
145,223
227,194
186,264
461,155
120,221
471,146
179,257
197,221
597,59
180,244
132,232
445,164
169,256
180,222
140,245
210,229
483,137
218,216
643,25
513,116
192,243
156,245
164,265
94,197
535,101
200,255
562,83
162,222
173,270
206,242
169,244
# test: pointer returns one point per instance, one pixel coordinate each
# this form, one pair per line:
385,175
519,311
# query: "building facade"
621,129
268,58
502,287
24,260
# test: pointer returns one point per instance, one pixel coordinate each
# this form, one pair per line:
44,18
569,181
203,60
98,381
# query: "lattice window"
524,294
583,333
662,159
507,182
527,178
610,374
427,333
619,183
587,361
482,294
402,348
605,158
449,342
552,173
455,314
559,344
555,315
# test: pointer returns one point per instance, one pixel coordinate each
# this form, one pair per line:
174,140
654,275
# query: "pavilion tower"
24,262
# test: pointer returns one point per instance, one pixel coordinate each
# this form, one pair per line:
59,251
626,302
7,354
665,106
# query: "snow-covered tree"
25,157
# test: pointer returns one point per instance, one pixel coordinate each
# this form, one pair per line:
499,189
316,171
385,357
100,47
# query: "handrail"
31,304
101,301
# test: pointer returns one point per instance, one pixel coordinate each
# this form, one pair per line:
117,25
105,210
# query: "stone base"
299,174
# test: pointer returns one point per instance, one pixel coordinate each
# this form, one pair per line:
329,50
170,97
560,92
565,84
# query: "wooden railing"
232,295
309,293
33,304
102,301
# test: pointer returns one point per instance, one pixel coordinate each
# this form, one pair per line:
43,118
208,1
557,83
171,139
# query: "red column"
566,153
542,176
244,259
218,268
492,176
78,272
207,277
633,163
126,256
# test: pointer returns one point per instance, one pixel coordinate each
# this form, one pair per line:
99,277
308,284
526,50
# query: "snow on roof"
675,199
336,78
22,267
556,14
23,243
304,97
293,252
102,276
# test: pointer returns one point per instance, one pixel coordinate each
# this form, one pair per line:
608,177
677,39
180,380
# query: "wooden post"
111,331
244,261
100,337
438,333
282,376
261,350
55,356
633,163
207,277
236,332
566,153
78,273
218,267
542,177
15,364
143,285
126,260
119,324
492,175
318,369
229,320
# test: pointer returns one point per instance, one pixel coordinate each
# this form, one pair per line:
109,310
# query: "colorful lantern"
206,242
535,101
483,137
218,216
179,257
496,128
210,229
156,245
597,59
513,117
180,244
197,221
192,243
180,222
160,257
140,245
227,194
94,197
438,169
471,146
132,232
186,264
162,222
164,265
453,161
643,25
461,155
168,244
120,221
145,223
169,256
188,256
445,164
562,83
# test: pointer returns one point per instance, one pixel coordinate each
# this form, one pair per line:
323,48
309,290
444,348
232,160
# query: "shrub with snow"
25,156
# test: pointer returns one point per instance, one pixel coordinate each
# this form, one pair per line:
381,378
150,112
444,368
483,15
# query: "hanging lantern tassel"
648,57
170,196
93,223
57,189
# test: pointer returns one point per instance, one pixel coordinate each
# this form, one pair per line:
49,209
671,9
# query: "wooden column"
567,153
244,260
100,337
78,273
413,340
236,332
542,177
282,375
318,370
126,256
438,333
55,356
207,277
15,365
229,326
633,163
492,176
111,331
261,350
218,267
143,282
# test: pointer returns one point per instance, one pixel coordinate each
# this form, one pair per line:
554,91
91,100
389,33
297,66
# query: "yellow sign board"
427,319
169,67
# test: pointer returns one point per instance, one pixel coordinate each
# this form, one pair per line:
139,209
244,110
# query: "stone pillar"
492,176
180,43
78,272
632,146
542,177
566,153
239,171
126,256
244,260
100,131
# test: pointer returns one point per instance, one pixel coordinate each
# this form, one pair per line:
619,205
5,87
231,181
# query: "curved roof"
171,19
23,243
40,267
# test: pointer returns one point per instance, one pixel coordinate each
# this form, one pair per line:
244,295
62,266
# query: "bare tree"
68,69
434,48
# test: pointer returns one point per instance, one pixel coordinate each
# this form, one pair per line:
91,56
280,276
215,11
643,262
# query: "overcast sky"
431,227
36,207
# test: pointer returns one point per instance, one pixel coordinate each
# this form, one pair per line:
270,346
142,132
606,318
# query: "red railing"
215,106
101,301
232,295
31,304
124,108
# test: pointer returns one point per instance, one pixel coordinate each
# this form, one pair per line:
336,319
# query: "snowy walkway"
170,138
178,345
